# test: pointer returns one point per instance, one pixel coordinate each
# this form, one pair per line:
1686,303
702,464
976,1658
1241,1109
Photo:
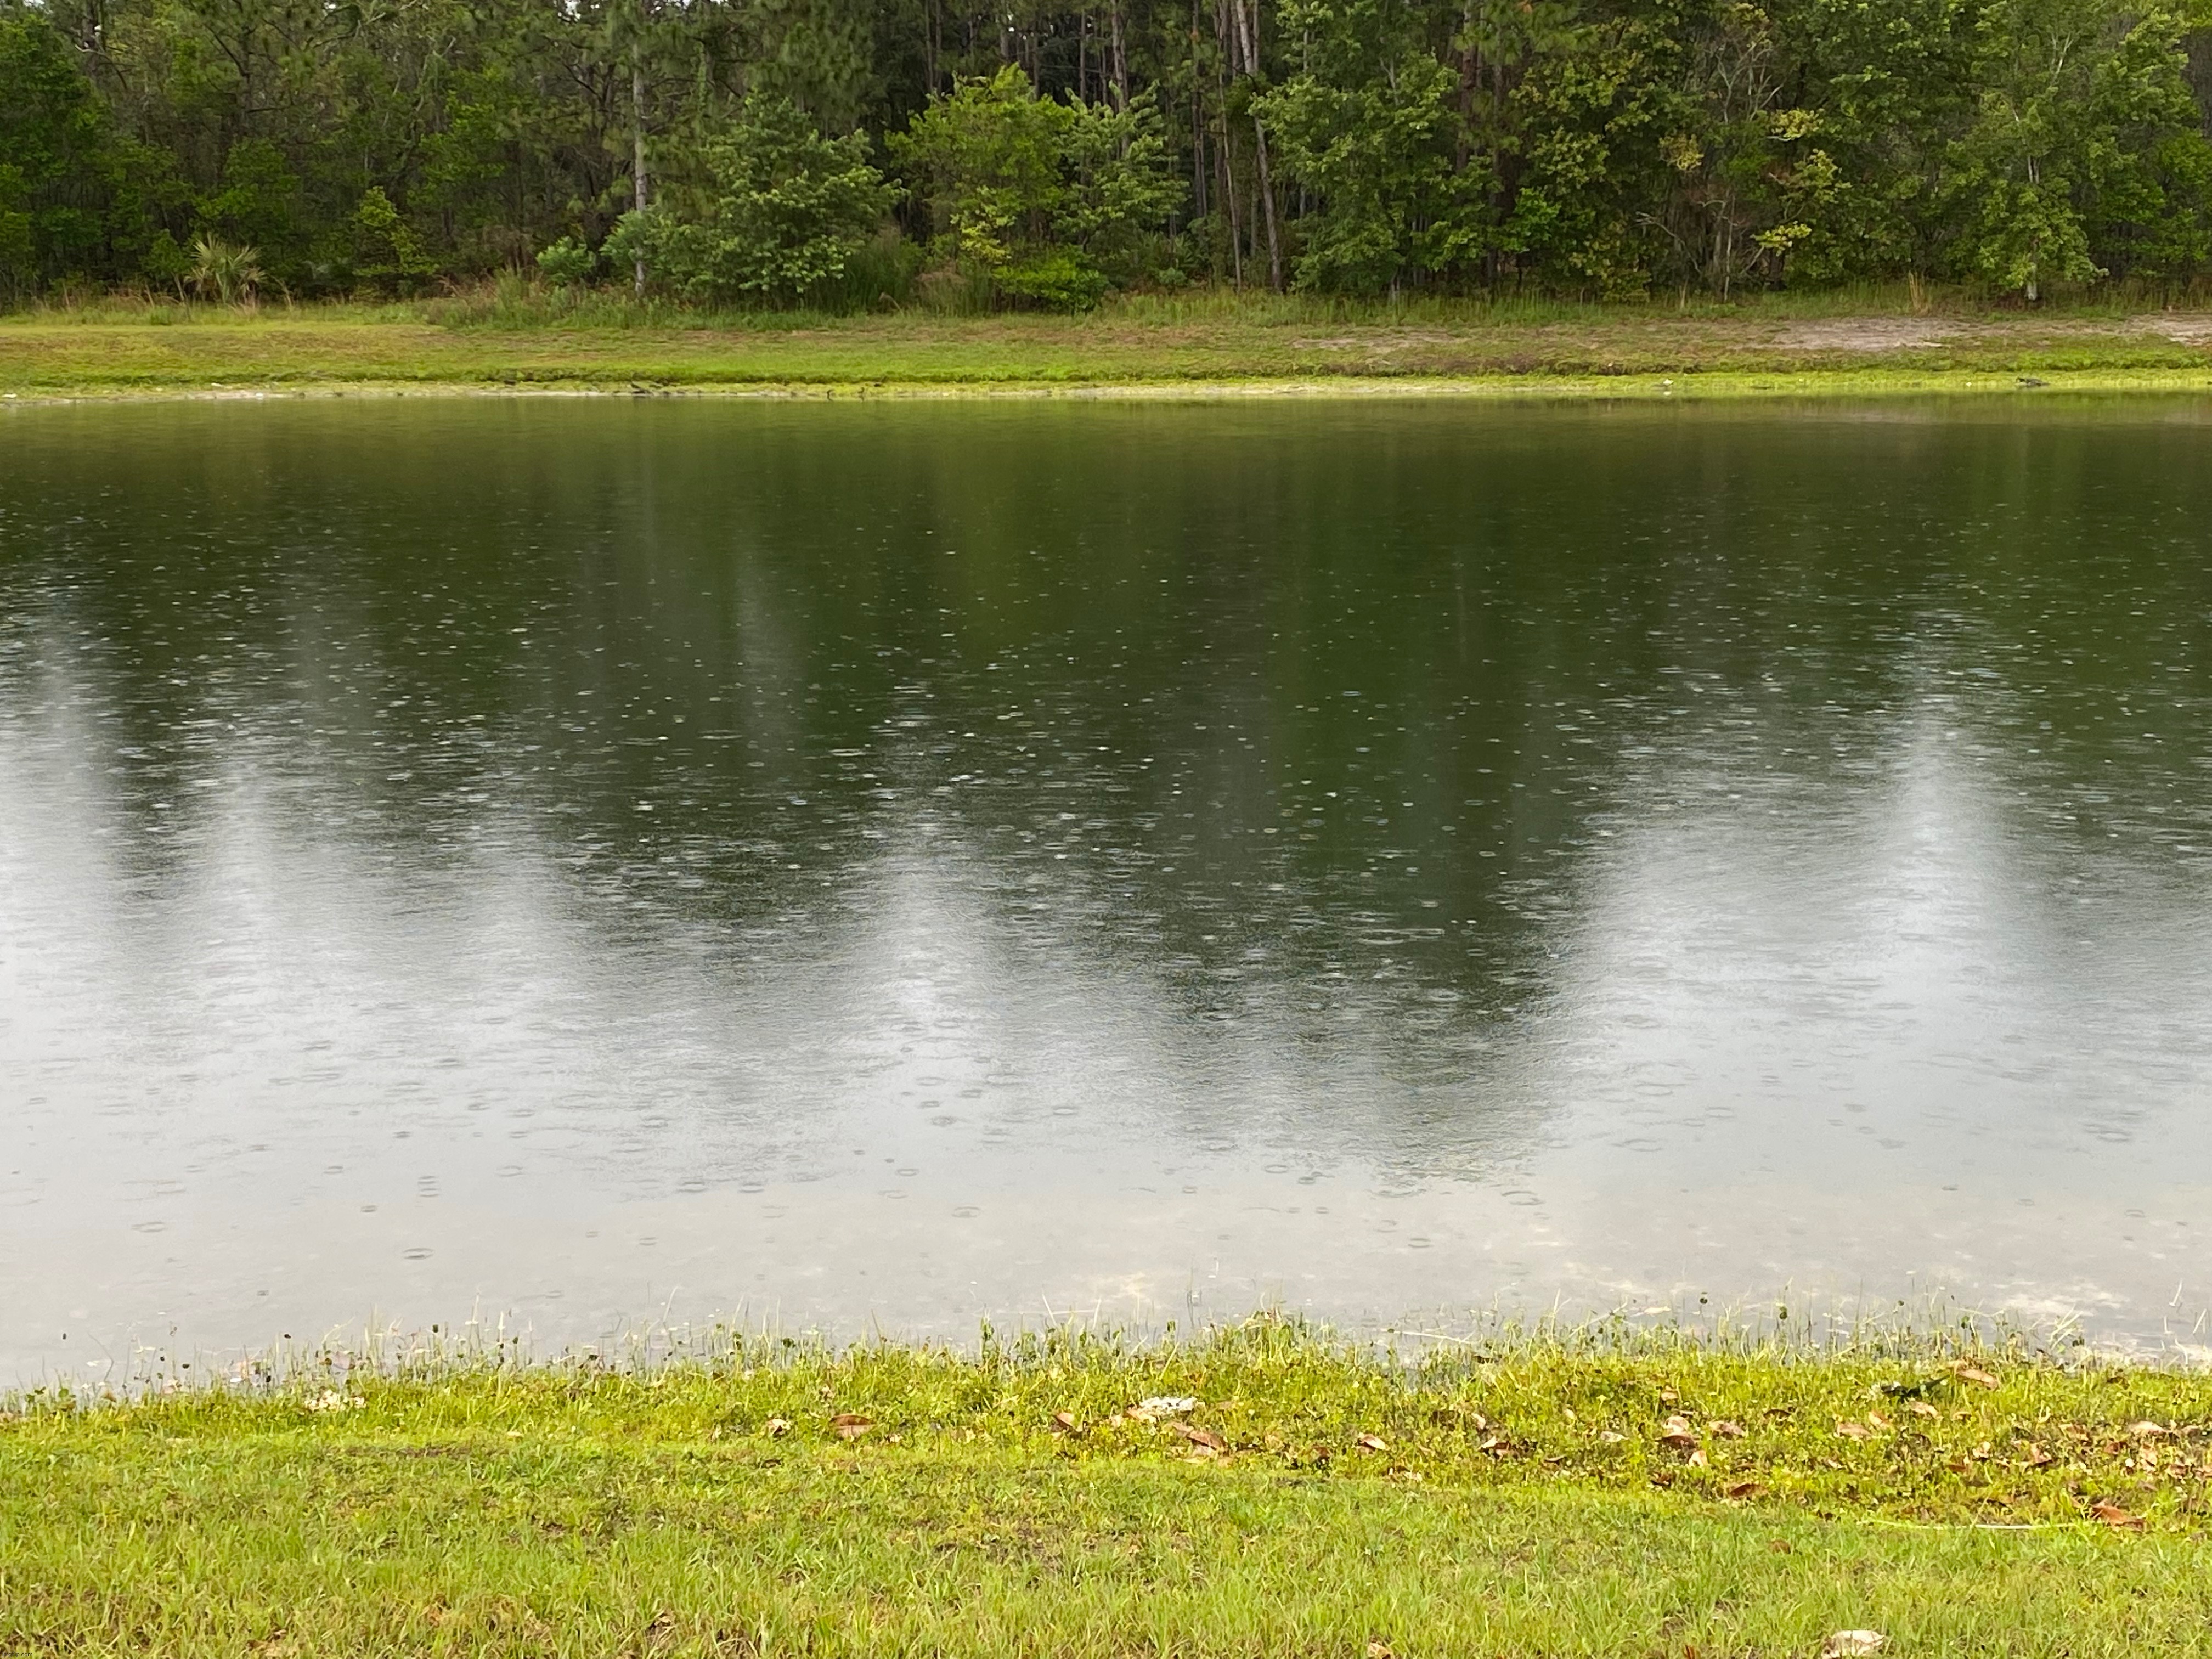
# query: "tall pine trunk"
637,150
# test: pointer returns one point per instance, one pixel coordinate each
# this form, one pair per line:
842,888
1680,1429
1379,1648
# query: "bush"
1055,279
782,213
1052,199
566,262
229,271
387,253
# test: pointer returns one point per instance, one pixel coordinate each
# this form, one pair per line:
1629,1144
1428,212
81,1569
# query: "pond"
845,866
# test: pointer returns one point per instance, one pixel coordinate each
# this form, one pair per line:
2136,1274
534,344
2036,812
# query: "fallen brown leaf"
776,1427
1726,1430
1921,1408
1743,1489
1678,1433
1851,1429
2146,1428
1381,1650
1698,1458
2113,1516
851,1425
1974,1375
1853,1644
2036,1458
1063,1422
1373,1442
1198,1436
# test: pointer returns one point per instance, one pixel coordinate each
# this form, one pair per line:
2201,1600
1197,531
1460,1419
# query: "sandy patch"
1392,340
2187,327
1868,333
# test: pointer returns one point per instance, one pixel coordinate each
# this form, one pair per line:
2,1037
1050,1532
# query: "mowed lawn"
1650,351
1259,1491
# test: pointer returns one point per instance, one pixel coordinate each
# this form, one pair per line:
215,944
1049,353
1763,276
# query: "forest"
843,155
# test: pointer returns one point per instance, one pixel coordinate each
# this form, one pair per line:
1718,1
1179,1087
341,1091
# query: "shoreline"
1822,385
1251,350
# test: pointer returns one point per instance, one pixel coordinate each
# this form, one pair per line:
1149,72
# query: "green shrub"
1053,200
1054,279
782,212
566,262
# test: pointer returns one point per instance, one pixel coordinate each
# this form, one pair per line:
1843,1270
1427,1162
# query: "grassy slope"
123,352
1521,1504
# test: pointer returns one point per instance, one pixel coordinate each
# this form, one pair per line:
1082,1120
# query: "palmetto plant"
228,269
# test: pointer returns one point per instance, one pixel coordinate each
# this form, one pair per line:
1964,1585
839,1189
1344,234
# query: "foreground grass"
1630,1497
1202,341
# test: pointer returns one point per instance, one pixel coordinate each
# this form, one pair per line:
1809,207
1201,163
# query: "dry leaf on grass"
1851,1429
1728,1430
2113,1516
1853,1644
776,1427
1204,1438
851,1425
1373,1442
1678,1433
1063,1422
1380,1649
1743,1489
1973,1374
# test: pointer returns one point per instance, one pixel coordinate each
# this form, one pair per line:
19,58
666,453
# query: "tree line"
845,153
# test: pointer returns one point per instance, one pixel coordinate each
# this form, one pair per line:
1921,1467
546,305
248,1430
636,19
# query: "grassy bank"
1254,341
1638,1495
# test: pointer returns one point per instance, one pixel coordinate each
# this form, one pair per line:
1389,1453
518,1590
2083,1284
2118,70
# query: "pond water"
593,862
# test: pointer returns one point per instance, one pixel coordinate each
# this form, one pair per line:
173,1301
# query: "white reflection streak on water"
1753,994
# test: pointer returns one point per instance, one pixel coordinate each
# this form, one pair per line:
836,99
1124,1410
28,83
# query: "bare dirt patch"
2182,327
1397,339
1870,333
